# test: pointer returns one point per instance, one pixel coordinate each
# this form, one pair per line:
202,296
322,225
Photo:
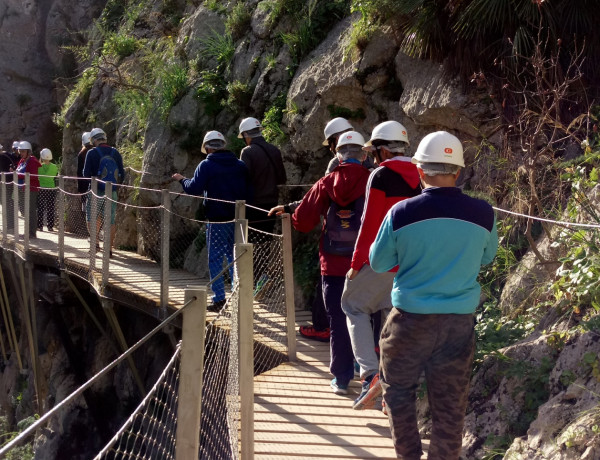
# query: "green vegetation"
119,45
211,91
238,20
306,267
313,20
273,120
339,111
465,34
81,90
239,96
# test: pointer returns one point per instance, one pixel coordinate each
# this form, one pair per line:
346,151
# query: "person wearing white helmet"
367,293
266,168
338,198
47,197
29,164
106,164
86,144
332,132
221,179
8,163
438,240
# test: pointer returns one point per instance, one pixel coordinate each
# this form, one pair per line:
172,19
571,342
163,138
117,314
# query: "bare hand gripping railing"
171,232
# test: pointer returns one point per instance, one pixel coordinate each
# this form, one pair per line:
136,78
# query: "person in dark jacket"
266,169
345,185
221,176
83,184
91,169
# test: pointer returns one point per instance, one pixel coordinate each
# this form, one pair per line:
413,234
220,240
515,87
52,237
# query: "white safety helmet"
440,147
24,145
388,131
248,124
1,146
86,138
97,134
46,154
350,137
15,145
336,126
213,136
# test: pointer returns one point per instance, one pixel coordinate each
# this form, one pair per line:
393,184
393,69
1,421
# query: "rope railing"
165,231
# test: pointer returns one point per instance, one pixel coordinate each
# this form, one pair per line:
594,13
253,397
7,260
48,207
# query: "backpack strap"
268,157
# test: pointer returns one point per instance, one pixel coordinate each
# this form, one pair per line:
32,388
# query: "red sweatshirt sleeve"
314,204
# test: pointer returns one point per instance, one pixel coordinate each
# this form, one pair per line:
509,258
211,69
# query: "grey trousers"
367,293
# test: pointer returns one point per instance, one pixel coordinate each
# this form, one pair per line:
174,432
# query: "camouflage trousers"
442,346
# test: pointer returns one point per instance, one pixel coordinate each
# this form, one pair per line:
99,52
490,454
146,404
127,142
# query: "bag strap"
268,156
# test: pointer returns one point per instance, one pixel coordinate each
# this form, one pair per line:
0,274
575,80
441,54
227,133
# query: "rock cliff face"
34,68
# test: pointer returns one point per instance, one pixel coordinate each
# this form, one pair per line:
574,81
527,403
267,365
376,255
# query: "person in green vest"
47,198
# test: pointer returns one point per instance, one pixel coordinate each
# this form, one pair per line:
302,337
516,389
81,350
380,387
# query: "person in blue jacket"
438,240
221,179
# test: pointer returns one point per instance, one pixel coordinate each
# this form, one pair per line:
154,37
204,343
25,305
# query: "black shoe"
50,229
216,305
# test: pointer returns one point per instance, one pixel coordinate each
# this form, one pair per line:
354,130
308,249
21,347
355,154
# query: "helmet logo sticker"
448,150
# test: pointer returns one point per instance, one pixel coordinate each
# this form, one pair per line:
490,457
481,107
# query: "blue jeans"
219,239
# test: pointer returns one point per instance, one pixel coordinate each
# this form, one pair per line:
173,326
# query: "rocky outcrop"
34,66
544,393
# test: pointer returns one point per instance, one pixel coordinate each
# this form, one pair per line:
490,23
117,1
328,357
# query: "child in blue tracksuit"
221,176
438,240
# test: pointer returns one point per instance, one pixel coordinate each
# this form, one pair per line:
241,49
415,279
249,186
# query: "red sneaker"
311,333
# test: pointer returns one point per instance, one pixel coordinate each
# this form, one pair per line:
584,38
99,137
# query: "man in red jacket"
339,197
367,292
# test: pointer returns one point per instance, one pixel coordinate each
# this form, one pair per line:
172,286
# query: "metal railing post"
61,221
4,209
107,226
93,224
16,191
26,212
288,283
240,209
165,240
190,375
245,275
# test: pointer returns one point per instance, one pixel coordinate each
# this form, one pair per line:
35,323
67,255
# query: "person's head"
213,141
250,128
24,149
15,146
98,136
350,146
439,158
46,156
332,132
86,139
389,139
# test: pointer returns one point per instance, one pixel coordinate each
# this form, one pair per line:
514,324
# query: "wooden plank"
324,451
324,438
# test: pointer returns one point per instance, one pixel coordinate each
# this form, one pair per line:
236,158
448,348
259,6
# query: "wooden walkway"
298,416
296,413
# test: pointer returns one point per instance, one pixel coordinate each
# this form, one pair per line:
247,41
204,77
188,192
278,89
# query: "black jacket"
266,170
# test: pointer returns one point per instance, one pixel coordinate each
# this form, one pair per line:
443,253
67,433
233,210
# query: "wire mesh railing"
162,236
